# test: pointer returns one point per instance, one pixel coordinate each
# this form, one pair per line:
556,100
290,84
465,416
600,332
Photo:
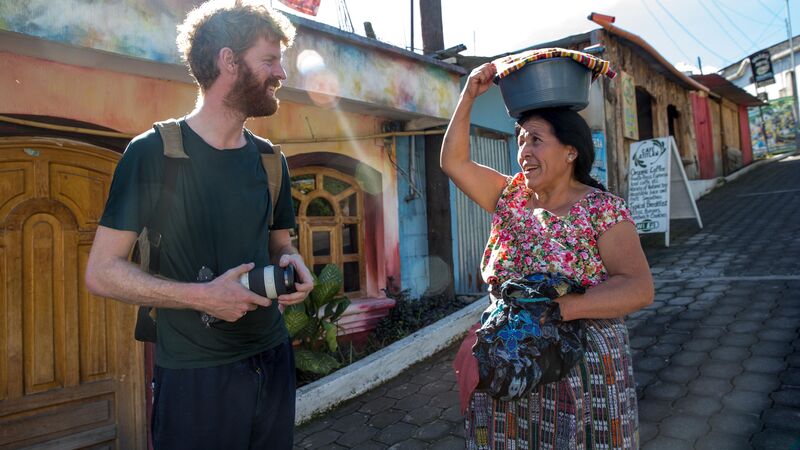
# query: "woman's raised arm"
481,183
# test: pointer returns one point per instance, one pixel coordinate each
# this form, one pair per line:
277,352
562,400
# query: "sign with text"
658,189
648,185
761,65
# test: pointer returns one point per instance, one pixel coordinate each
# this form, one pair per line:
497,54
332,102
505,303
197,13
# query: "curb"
721,181
701,188
755,165
388,362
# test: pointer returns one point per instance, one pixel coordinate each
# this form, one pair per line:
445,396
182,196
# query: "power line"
688,58
767,7
758,39
720,25
724,60
744,16
728,18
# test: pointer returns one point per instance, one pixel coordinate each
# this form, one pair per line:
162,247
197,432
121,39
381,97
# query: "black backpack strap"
165,201
170,131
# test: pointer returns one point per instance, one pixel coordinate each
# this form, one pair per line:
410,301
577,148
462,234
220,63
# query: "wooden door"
71,375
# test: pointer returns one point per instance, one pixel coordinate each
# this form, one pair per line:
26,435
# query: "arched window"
329,207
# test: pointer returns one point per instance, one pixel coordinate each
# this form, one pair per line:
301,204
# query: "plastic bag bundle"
522,341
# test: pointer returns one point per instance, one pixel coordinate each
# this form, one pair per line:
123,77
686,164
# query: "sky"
720,32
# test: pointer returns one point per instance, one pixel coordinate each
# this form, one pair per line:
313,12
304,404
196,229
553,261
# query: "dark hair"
570,129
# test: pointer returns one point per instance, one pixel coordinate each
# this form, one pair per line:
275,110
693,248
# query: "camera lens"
270,281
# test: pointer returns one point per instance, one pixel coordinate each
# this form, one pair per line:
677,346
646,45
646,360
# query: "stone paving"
716,356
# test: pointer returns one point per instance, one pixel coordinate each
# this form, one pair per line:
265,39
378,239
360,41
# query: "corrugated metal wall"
471,223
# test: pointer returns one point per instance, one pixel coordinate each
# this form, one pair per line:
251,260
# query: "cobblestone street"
717,355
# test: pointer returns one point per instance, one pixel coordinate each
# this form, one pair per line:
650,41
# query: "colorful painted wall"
772,127
324,62
140,28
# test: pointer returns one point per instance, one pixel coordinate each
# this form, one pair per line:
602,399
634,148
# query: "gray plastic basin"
546,83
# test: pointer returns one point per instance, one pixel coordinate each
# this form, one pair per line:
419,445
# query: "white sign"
658,189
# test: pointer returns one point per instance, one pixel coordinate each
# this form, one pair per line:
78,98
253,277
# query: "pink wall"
703,129
744,130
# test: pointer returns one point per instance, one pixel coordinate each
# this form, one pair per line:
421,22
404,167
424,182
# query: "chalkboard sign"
658,189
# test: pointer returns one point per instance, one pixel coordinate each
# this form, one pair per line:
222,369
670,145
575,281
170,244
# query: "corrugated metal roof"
724,88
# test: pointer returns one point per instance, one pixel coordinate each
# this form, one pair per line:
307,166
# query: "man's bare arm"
110,274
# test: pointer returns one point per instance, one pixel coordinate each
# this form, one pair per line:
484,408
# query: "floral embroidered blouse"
523,241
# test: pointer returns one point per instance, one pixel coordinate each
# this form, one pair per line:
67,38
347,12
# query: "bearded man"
227,383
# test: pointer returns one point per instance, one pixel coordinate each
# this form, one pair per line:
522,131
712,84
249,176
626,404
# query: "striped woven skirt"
593,408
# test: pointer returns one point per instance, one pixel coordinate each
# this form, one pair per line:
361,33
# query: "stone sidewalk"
717,355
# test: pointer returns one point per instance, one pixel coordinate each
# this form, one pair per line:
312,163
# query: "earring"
571,158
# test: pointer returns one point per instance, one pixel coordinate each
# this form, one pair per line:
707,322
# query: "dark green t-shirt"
219,218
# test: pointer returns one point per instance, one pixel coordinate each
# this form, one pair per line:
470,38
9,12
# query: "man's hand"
304,283
225,298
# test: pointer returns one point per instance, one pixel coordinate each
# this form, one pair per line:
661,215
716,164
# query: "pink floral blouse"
524,241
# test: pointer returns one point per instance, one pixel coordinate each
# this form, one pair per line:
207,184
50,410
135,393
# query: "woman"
553,217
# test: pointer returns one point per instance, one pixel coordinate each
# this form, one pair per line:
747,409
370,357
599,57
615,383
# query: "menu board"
658,189
648,185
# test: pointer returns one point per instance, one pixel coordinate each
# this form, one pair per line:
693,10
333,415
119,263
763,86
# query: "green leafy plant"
313,323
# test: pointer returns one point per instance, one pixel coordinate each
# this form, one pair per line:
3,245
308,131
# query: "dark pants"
248,404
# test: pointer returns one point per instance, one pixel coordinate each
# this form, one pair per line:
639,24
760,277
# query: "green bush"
411,314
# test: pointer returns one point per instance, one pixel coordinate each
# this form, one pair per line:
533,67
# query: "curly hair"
235,24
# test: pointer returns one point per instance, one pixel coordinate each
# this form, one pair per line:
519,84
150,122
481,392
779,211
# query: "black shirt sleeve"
284,211
136,184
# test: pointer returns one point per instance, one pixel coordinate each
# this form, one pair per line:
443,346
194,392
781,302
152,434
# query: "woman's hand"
480,80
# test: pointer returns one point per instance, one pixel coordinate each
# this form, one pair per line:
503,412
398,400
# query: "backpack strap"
170,131
271,159
147,251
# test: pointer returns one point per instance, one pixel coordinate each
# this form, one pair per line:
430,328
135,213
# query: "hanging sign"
761,65
630,122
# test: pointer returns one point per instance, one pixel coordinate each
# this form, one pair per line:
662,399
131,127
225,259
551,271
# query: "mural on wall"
139,28
776,120
329,69
326,67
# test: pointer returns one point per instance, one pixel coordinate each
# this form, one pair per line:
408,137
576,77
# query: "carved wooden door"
71,375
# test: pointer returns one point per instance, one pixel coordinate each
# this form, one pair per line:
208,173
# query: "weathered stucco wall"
324,61
664,91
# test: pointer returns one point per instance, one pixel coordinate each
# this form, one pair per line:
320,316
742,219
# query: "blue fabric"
247,404
522,341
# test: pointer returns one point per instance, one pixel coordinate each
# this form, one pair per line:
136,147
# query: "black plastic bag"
522,341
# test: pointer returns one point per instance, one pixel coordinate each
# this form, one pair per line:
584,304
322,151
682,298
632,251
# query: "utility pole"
437,185
430,16
412,25
793,78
